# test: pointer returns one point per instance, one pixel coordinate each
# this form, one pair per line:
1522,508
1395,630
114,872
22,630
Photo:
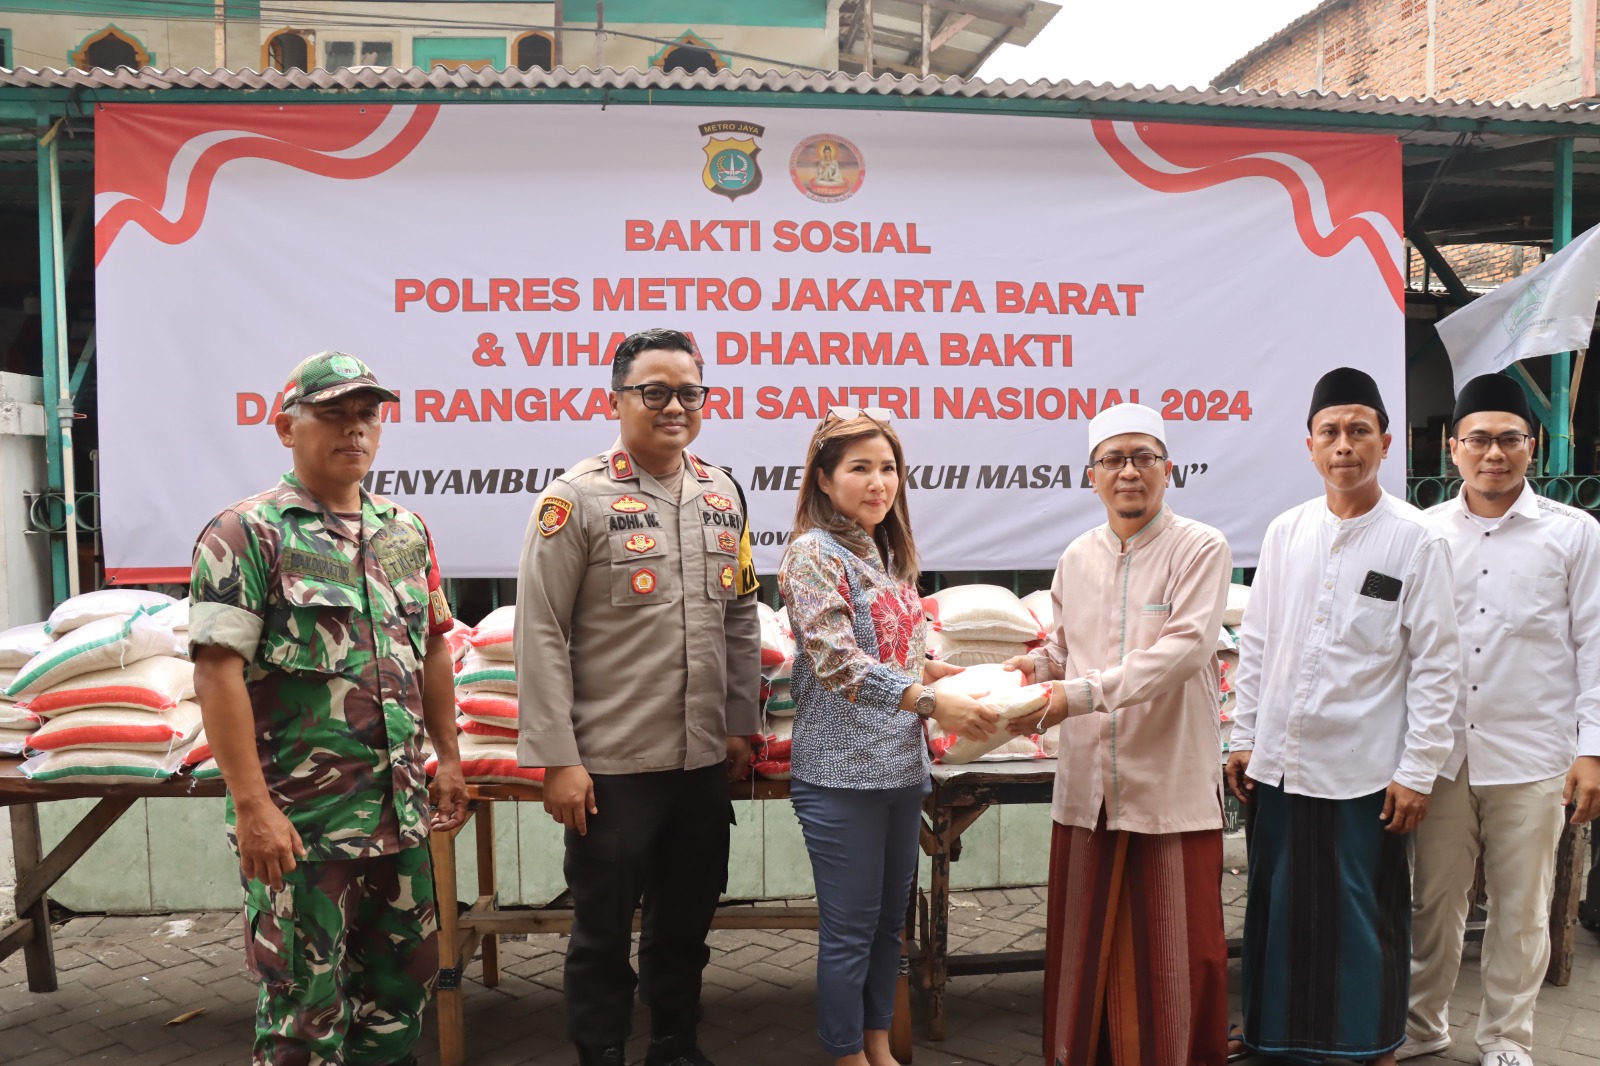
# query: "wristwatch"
924,702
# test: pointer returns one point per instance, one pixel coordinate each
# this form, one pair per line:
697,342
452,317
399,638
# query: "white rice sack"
491,762
982,612
1009,697
1040,606
21,643
1238,600
493,636
120,728
780,704
176,617
105,644
102,766
159,683
14,741
206,770
479,673
458,638
957,652
105,603
7,675
777,646
16,716
782,618
1226,641
1050,741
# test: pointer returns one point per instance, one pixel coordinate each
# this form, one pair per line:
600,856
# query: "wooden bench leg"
38,950
487,890
447,994
936,949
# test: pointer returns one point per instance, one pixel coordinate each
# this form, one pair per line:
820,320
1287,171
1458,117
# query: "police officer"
639,645
316,629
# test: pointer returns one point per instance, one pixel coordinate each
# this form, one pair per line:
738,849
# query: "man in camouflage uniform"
316,628
636,611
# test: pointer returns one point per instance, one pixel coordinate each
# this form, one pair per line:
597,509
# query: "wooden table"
37,872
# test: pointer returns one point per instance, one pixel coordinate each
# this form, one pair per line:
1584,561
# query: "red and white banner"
993,280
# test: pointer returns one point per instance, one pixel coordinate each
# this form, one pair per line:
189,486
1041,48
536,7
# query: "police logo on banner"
731,169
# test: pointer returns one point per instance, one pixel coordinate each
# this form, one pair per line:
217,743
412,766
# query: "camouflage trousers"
347,953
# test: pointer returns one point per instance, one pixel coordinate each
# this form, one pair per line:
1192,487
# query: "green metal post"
51,328
1561,363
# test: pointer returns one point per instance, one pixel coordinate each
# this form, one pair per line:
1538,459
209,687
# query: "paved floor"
126,982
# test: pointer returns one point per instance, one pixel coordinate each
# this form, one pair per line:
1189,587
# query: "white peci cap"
1125,418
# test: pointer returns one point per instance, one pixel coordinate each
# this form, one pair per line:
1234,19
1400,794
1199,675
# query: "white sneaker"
1414,1048
1506,1058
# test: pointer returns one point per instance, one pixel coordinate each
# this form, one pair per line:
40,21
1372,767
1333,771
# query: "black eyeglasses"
656,396
1140,460
1508,442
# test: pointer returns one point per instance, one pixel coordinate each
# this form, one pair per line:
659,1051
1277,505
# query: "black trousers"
663,838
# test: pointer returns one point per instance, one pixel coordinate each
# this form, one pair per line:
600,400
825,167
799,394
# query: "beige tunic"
1135,640
635,650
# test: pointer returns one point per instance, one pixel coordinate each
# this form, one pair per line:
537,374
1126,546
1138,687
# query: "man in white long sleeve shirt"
1348,677
1527,742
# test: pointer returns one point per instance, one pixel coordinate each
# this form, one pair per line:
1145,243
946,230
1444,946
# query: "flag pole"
1561,391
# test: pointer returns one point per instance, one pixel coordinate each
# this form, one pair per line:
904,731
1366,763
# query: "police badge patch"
553,514
731,169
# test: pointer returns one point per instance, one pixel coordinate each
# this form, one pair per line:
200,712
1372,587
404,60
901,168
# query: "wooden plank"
487,890
15,935
987,14
925,53
995,962
38,951
15,788
91,828
952,26
1564,902
453,954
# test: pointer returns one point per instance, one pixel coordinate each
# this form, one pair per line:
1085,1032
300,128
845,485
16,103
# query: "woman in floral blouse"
860,759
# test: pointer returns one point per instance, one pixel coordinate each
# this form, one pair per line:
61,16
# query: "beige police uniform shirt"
1135,641
636,650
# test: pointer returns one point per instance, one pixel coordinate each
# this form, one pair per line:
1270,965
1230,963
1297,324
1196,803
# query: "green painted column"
1560,458
51,329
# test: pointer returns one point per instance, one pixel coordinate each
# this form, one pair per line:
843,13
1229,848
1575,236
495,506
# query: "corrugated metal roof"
394,78
1230,74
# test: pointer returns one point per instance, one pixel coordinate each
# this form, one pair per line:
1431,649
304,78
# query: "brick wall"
1483,49
1480,266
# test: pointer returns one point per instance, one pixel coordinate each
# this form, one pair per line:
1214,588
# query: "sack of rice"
1004,692
21,643
89,607
457,638
1238,600
104,644
155,684
119,728
771,769
14,740
1050,741
206,770
488,708
479,673
780,702
176,617
102,766
15,716
777,646
957,652
981,612
1041,607
491,763
198,751
471,727
493,636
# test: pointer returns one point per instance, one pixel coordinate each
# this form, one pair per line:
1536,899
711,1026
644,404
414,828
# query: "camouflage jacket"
332,623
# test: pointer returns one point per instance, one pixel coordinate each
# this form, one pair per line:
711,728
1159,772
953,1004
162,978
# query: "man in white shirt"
1527,574
1349,671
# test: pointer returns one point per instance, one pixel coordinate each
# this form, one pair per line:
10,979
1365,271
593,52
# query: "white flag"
1549,309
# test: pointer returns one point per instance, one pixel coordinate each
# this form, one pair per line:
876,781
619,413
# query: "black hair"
669,340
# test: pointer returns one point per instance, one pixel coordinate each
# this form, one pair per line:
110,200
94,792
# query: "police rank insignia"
698,467
731,169
727,541
720,503
726,577
639,543
553,515
629,505
621,465
643,582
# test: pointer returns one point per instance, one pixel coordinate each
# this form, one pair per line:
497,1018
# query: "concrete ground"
127,981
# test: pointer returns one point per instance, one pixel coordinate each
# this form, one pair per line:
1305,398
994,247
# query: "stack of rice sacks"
1042,608
771,750
1228,657
978,625
17,646
113,690
486,704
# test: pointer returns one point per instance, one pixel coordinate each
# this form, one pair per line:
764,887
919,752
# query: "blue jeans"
863,845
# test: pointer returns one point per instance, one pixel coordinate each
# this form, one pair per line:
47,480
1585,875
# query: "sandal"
1237,1048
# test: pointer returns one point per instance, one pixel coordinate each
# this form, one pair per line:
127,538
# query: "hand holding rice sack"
861,683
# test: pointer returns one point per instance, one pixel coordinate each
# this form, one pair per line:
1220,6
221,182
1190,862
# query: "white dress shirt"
1340,693
1528,599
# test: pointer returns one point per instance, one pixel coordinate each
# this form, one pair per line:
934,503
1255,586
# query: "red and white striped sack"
156,684
119,728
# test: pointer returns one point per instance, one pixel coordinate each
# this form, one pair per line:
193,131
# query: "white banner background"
287,262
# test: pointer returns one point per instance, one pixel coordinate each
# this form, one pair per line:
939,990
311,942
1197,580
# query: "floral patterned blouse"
859,644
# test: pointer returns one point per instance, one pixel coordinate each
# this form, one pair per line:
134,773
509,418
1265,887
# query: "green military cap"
329,375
